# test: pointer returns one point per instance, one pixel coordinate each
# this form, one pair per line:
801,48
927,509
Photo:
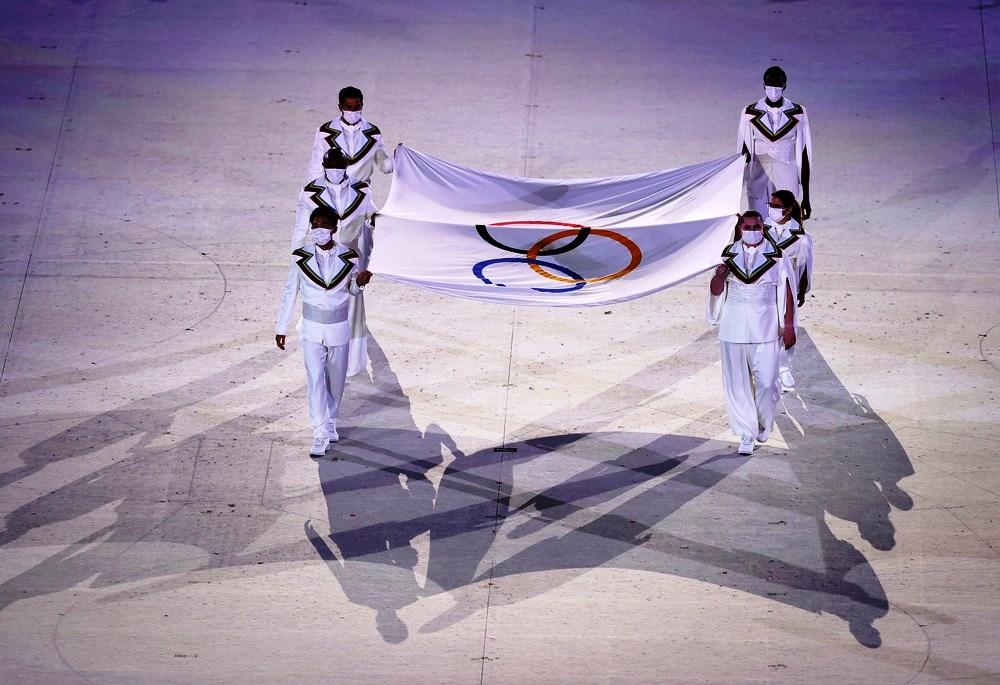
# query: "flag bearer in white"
775,140
328,276
348,196
359,139
350,200
751,300
783,227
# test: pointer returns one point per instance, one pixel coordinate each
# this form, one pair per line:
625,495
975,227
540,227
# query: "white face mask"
334,174
775,213
748,236
321,236
773,93
351,117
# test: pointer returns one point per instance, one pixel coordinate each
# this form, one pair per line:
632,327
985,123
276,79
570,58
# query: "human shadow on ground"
410,515
677,504
148,419
151,490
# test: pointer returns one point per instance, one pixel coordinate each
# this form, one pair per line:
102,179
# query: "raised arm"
719,279
716,295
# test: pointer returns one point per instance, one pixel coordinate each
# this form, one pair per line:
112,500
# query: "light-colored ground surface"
162,523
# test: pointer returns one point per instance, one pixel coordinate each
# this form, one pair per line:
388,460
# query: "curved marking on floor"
985,352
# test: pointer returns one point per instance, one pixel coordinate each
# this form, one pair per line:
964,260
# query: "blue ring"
477,271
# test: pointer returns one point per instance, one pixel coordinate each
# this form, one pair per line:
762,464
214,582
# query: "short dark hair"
326,212
787,200
350,92
750,213
776,74
332,157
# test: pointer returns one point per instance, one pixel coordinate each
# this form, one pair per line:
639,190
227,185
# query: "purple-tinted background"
154,491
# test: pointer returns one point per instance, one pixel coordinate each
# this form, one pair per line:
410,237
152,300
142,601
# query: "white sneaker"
319,447
787,381
334,435
746,445
762,436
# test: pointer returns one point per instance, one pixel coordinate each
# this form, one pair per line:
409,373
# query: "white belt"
752,294
311,312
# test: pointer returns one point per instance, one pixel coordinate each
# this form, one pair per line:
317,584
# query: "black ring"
571,245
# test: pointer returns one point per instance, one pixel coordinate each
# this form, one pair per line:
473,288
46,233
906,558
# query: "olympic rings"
575,278
571,245
579,234
633,249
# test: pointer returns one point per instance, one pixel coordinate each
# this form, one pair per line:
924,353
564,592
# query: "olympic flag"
525,241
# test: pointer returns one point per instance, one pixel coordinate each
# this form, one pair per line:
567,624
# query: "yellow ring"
633,249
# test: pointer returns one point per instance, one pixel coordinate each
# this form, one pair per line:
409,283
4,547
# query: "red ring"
634,251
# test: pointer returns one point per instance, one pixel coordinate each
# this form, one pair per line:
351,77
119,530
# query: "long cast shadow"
145,488
411,515
380,499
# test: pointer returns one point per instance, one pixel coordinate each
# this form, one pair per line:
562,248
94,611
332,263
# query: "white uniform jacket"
361,143
751,308
350,198
325,297
786,140
796,246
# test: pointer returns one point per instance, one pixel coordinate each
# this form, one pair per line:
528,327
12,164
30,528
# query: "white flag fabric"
527,241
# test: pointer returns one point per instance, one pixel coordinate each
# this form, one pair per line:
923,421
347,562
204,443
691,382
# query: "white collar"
781,230
749,264
325,255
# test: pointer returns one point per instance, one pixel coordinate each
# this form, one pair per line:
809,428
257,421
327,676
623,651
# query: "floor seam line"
529,131
60,137
989,106
498,492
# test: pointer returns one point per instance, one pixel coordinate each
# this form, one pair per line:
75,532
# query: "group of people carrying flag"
331,245
764,274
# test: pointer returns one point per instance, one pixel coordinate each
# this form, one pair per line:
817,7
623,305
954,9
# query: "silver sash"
311,312
755,293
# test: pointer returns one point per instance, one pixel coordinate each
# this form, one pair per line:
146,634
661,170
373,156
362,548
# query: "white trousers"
750,381
326,371
766,175
785,360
